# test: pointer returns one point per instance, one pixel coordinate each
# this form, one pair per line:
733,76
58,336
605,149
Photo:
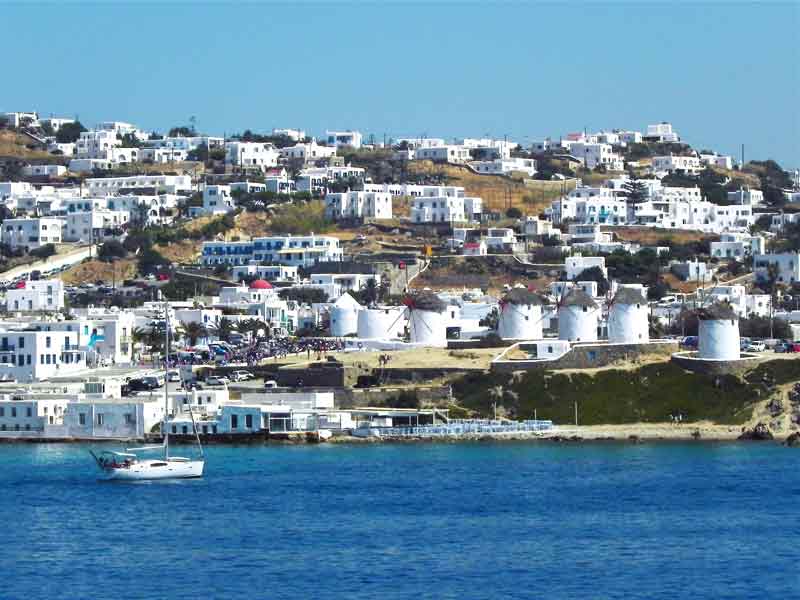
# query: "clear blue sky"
723,73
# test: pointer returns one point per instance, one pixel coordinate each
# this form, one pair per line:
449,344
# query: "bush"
304,295
514,213
43,252
111,250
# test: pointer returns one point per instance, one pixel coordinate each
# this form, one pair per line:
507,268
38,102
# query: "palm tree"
224,328
194,331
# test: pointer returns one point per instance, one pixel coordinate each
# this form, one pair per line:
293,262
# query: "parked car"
173,376
192,385
213,380
690,341
756,347
787,347
241,376
270,384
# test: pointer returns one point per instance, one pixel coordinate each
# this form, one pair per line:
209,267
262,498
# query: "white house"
501,166
273,273
217,200
251,155
785,266
593,155
746,197
443,209
44,170
316,180
686,165
577,264
308,152
449,153
89,165
292,134
94,225
170,184
31,233
661,132
344,138
358,205
301,250
27,355
738,246
44,294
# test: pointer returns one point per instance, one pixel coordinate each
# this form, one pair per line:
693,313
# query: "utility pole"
576,413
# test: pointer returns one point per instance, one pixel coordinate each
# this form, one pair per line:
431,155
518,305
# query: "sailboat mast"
166,378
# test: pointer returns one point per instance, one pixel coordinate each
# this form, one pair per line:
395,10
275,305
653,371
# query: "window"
248,421
234,421
2,411
99,418
22,342
129,420
13,411
82,418
28,412
47,341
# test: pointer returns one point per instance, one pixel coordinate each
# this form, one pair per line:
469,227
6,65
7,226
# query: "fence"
457,427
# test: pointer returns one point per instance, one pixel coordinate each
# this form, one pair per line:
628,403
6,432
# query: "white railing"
465,427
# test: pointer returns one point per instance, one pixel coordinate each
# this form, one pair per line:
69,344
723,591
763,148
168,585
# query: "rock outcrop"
759,433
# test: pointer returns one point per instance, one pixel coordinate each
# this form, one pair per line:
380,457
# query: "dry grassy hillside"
529,195
650,235
95,270
14,144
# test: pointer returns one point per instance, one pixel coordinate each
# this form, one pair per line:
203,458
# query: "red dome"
260,284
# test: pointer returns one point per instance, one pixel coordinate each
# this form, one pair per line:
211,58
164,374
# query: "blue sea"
471,520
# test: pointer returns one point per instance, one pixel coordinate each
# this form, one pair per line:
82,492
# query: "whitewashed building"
29,234
41,295
251,155
344,138
358,205
785,266
301,250
449,153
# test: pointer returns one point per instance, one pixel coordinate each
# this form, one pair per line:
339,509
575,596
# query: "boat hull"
155,469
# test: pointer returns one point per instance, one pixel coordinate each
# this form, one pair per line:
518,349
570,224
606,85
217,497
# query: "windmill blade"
399,316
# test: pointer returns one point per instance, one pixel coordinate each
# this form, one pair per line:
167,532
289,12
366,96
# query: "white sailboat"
128,466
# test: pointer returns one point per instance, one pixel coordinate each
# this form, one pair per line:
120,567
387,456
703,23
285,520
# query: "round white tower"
578,315
426,320
628,318
520,315
344,316
718,333
381,323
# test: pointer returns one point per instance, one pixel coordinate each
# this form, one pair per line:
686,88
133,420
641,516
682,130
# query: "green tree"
595,274
194,331
634,189
111,251
69,133
223,329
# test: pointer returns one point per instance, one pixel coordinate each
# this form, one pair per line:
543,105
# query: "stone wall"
589,356
687,360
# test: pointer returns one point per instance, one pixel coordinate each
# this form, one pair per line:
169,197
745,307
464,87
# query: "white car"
241,376
755,347
173,376
217,381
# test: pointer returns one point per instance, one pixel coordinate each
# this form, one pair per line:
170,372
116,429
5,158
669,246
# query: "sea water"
470,520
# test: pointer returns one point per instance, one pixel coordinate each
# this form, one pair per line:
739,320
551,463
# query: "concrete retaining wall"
690,362
588,356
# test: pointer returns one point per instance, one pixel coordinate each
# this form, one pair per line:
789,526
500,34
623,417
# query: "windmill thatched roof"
425,301
626,295
719,311
577,297
522,296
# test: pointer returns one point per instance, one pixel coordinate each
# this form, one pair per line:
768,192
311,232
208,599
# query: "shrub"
43,252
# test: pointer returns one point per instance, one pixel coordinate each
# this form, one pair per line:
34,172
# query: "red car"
162,277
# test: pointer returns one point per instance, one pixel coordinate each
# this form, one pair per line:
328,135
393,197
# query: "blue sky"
723,73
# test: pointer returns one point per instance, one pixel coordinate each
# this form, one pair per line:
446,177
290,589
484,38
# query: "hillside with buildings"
371,288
